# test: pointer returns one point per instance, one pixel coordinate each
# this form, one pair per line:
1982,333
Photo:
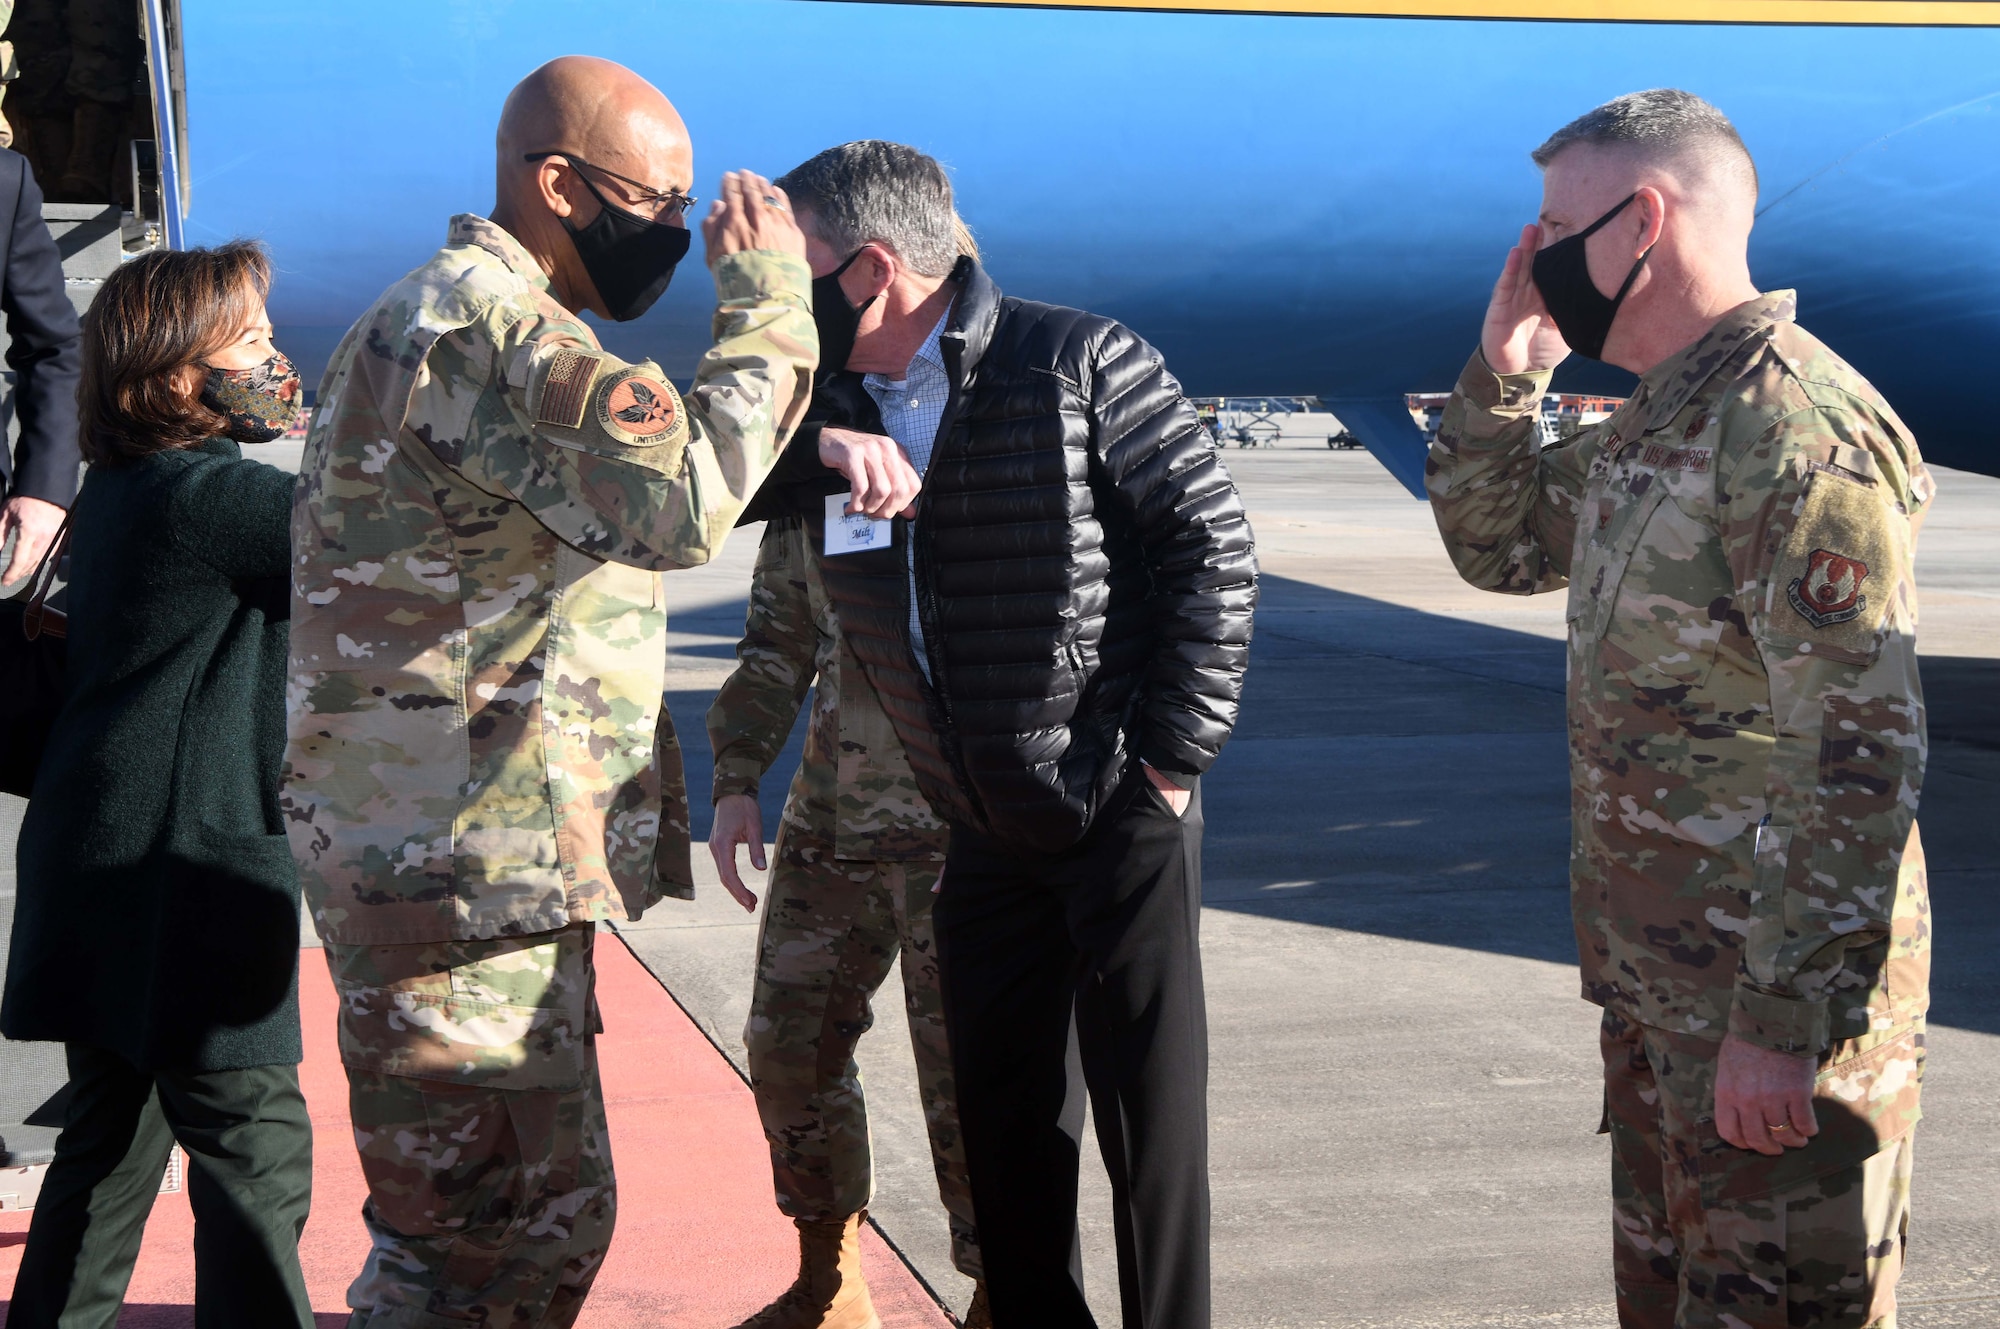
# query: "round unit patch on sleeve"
1829,590
638,407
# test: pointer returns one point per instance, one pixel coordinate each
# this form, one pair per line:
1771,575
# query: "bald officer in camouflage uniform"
479,765
859,851
1746,727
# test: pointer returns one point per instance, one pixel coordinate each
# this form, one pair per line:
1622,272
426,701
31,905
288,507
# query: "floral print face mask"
260,402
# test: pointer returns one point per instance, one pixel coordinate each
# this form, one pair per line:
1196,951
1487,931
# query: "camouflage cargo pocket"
1863,1103
510,1013
1864,838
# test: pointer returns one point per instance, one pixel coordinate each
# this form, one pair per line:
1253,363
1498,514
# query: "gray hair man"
1057,632
857,861
1746,725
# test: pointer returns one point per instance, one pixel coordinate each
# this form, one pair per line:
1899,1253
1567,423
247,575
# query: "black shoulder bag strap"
38,619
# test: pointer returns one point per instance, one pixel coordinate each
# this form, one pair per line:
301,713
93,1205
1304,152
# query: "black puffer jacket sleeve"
1162,466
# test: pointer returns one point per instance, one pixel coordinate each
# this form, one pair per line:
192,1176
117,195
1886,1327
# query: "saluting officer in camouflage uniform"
1746,726
479,765
859,852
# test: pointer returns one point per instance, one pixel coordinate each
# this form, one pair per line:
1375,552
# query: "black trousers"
249,1146
1105,934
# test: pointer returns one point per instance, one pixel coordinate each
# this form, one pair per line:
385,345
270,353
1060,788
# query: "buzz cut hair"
874,191
1658,123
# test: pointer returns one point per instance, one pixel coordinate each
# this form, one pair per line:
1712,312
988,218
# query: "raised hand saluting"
1519,336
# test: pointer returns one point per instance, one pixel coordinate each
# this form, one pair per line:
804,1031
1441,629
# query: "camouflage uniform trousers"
1708,1236
472,1076
831,931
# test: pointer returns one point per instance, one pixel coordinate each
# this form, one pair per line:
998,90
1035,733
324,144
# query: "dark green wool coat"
158,906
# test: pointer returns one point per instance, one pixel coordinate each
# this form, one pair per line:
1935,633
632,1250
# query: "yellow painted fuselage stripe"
1896,13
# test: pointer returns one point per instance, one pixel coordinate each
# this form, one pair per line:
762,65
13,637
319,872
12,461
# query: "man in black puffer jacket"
1058,630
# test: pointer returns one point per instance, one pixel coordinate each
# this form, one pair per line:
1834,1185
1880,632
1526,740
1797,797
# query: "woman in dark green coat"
156,927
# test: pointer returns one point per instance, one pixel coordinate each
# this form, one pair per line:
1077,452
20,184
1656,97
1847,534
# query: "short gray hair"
1659,122
881,192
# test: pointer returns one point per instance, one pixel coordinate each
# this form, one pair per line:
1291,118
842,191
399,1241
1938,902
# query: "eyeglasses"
663,204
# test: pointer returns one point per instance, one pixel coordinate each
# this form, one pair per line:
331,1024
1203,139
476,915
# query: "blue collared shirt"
912,407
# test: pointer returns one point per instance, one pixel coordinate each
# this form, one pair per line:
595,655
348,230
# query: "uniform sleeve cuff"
1783,1024
725,785
1502,394
762,275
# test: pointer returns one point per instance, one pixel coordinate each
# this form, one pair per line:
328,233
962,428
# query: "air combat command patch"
638,407
1829,592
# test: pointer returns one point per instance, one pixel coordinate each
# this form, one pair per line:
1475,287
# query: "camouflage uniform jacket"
477,743
1746,728
854,790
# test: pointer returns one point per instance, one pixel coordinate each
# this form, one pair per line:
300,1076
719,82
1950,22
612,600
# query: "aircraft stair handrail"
168,134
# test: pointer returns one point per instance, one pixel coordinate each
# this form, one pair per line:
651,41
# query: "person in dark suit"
156,924
43,352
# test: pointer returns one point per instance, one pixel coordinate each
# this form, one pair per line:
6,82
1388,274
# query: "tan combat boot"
829,1292
978,1315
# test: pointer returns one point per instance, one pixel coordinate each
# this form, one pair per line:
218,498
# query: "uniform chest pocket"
1608,529
1670,604
1655,595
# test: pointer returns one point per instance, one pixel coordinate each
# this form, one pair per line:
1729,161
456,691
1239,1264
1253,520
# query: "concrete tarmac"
1405,1085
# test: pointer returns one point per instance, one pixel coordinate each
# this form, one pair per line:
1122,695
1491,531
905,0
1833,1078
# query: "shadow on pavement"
1404,773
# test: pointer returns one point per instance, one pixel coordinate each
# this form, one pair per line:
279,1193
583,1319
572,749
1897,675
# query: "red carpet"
699,1244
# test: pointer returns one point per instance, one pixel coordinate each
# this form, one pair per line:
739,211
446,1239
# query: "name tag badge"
851,532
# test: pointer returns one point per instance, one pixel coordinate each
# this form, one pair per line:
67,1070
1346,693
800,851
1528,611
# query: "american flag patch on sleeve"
566,388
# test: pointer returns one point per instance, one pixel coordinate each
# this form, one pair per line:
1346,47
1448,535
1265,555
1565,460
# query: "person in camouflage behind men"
479,767
859,852
1746,725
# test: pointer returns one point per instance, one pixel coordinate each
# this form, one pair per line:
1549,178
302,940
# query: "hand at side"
1177,797
34,523
738,821
1763,1099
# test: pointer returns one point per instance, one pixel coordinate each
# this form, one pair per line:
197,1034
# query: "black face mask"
629,258
837,318
1582,312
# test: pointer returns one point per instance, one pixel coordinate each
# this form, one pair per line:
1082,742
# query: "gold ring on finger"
1781,1126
